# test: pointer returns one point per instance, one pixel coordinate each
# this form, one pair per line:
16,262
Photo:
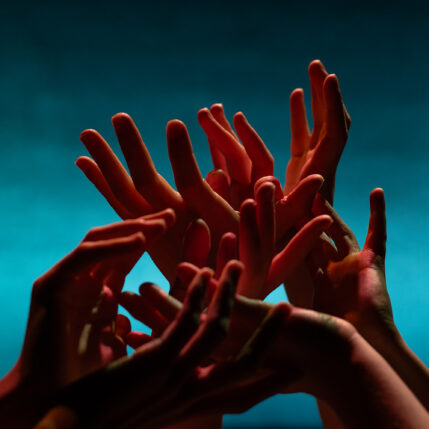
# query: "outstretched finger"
196,192
300,132
167,305
234,152
278,191
216,323
143,311
186,324
218,113
151,229
93,173
227,250
218,181
376,237
297,204
260,156
196,243
317,74
147,181
287,261
115,174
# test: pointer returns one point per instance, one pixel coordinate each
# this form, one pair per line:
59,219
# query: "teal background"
67,66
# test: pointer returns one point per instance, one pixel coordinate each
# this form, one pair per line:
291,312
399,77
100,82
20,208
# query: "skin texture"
312,352
144,190
242,160
72,326
162,382
353,286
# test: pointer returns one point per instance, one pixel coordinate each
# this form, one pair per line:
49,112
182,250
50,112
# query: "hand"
146,190
354,283
353,286
71,329
298,350
237,167
153,387
319,151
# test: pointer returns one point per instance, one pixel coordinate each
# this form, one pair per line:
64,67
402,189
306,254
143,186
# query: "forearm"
405,363
370,394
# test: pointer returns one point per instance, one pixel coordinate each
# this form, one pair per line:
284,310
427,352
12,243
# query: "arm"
354,287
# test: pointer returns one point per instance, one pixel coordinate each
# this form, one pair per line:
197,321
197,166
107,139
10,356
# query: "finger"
196,243
215,326
117,177
341,234
238,161
90,253
196,192
227,251
147,181
297,204
376,237
93,173
185,275
143,311
218,113
178,334
137,339
317,74
218,159
163,302
249,240
336,116
262,160
151,229
266,219
300,132
123,326
218,181
285,262
278,193
256,347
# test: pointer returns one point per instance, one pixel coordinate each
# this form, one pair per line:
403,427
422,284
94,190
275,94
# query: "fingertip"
247,205
316,179
266,190
377,199
282,310
81,161
176,128
296,95
316,66
239,117
86,135
234,269
217,108
203,114
120,118
331,82
325,221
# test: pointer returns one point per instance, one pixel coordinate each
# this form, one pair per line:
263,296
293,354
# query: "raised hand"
146,191
154,386
311,352
71,329
353,286
237,166
318,151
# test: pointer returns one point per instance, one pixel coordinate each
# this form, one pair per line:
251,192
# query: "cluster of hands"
223,243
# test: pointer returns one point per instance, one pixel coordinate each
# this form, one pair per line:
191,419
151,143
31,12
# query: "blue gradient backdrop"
68,65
